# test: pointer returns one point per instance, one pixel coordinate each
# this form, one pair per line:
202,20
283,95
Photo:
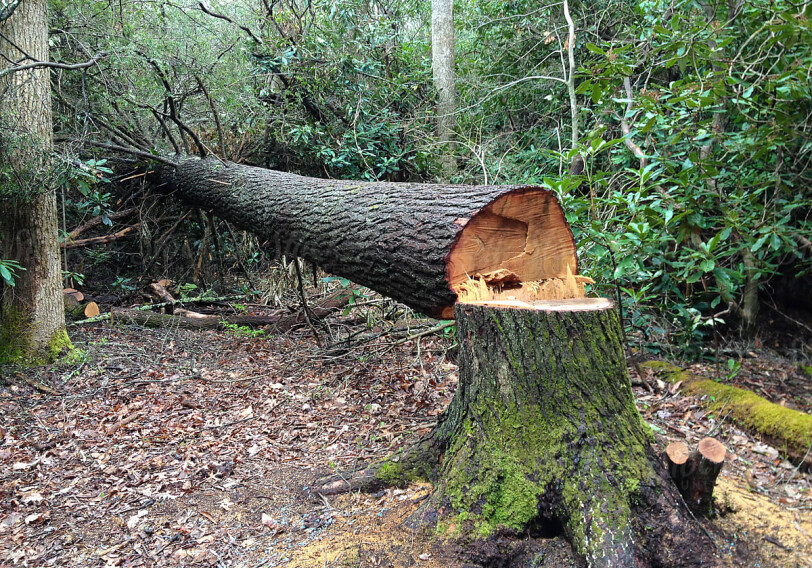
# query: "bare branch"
7,9
122,149
207,10
571,74
53,65
626,129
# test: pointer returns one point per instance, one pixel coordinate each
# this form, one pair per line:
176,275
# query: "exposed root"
420,462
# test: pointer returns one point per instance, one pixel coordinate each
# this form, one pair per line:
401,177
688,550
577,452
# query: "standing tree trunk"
543,429
442,60
33,319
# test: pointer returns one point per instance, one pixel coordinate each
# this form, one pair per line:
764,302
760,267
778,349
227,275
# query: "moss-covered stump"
543,429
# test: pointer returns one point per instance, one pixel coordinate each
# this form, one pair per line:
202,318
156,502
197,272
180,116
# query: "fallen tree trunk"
543,432
416,243
184,319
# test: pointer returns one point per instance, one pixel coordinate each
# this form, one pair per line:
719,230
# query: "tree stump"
543,429
695,473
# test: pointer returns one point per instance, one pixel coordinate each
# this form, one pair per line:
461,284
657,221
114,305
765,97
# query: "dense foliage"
694,120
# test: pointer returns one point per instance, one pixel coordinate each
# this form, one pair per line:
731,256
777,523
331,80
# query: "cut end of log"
72,295
678,453
91,310
524,232
518,251
712,450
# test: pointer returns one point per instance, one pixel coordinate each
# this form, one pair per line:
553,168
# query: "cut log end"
523,232
712,450
677,453
516,251
91,310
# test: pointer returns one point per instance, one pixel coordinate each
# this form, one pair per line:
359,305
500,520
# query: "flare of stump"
543,432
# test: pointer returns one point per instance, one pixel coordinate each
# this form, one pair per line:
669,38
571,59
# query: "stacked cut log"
695,472
76,306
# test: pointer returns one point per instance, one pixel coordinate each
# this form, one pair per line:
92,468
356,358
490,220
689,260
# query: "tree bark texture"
543,431
33,319
395,238
442,61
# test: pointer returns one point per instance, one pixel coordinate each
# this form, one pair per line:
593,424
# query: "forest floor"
176,447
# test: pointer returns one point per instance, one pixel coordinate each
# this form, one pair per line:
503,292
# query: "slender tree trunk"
442,59
33,320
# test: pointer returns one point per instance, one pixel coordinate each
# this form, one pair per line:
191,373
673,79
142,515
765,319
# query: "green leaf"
6,274
707,265
758,244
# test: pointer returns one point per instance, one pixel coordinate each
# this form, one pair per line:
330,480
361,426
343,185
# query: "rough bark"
395,238
442,62
33,319
543,429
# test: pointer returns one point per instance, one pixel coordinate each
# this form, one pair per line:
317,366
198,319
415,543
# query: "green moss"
15,340
789,428
806,370
60,345
390,473
14,334
502,483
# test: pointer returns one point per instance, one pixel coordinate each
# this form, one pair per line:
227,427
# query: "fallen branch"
189,320
96,221
99,240
145,307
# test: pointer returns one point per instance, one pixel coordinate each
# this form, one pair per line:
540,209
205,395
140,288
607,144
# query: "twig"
207,10
115,427
305,307
796,469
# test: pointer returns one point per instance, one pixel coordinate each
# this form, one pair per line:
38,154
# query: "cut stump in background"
695,473
543,432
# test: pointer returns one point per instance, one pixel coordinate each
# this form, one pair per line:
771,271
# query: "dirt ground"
189,448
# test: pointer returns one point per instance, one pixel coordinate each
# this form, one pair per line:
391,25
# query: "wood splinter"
695,473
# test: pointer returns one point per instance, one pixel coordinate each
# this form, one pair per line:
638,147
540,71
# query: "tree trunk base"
543,430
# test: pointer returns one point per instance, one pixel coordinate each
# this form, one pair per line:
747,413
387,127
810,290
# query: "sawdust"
779,536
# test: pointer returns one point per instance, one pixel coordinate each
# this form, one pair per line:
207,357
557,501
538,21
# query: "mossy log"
543,431
789,430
